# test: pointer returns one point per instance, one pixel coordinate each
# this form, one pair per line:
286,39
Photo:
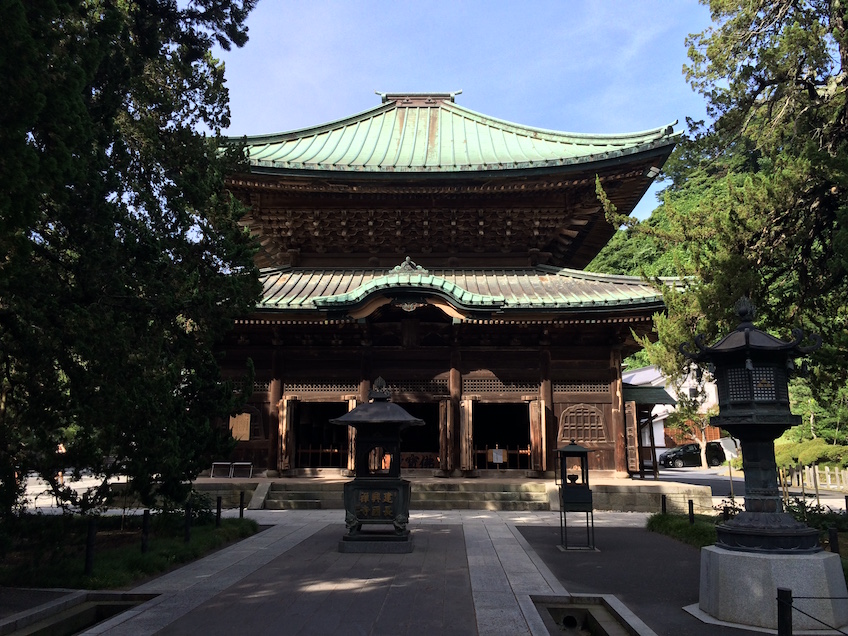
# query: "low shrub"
49,551
699,534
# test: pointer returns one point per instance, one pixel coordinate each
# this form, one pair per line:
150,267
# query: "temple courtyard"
471,572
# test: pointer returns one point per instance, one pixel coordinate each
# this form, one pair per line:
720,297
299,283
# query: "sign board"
631,436
496,456
240,426
373,504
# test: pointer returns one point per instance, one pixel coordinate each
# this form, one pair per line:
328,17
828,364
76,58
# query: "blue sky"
608,66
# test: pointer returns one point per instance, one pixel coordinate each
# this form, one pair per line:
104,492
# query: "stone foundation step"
478,486
508,506
425,496
453,495
298,504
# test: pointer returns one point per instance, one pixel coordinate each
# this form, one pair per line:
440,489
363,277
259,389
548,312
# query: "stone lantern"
752,370
763,547
377,498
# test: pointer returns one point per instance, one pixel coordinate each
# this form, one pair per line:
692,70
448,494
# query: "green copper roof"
646,394
414,279
541,288
430,133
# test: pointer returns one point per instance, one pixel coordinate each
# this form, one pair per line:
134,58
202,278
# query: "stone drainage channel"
71,613
578,615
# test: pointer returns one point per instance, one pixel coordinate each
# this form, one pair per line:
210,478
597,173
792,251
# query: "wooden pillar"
445,437
288,410
618,429
275,396
364,390
449,439
466,435
536,443
351,435
549,423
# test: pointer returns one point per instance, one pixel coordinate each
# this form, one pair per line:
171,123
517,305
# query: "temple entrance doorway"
501,435
419,445
319,444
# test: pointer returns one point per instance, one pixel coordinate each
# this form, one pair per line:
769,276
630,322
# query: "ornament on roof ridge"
380,392
745,309
409,266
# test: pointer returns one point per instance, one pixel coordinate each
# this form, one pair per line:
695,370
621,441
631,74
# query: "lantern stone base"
741,587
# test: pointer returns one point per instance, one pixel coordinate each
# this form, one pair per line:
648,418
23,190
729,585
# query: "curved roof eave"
482,171
436,136
522,291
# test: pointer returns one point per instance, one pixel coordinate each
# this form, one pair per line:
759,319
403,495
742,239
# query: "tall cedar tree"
121,258
757,200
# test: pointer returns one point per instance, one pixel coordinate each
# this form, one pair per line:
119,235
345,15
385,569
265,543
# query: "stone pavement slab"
653,575
472,572
317,590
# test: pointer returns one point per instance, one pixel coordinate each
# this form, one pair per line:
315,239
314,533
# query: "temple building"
442,250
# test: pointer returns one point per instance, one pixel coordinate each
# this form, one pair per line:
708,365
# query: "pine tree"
122,258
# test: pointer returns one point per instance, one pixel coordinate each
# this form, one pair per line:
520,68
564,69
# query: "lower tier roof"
462,293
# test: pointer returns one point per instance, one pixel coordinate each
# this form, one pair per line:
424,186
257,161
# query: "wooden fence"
813,479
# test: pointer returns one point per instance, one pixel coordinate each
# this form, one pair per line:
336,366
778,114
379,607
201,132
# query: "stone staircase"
480,495
305,495
435,495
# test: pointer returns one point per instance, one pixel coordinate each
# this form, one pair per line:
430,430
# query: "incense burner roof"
430,133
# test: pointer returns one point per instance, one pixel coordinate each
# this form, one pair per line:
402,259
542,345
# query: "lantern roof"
573,450
747,338
379,412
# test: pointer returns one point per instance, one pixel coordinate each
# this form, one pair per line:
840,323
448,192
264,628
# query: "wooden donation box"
377,498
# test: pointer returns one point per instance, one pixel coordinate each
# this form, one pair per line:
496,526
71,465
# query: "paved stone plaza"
472,572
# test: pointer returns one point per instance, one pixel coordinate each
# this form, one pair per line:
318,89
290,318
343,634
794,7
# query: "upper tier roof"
428,133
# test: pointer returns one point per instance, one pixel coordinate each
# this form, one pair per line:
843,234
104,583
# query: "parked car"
690,455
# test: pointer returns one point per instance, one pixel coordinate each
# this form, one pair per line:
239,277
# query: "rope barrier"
780,601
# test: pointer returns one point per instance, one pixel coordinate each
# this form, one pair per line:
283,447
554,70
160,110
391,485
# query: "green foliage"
763,198
808,452
699,534
820,517
123,261
49,551
641,249
757,197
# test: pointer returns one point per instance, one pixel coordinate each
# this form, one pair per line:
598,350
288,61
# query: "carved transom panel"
581,387
582,423
479,386
319,387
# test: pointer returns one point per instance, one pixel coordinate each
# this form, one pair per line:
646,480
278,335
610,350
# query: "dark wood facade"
458,286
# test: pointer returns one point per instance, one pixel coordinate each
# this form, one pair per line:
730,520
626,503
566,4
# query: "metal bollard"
663,504
218,512
784,612
89,546
833,538
691,512
187,537
145,531
241,505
